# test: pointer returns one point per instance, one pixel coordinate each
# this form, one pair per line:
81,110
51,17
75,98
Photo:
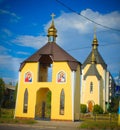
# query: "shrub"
83,108
97,109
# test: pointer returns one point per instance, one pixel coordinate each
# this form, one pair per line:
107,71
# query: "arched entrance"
43,104
90,106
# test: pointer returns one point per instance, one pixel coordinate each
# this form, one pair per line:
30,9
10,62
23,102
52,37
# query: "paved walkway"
58,123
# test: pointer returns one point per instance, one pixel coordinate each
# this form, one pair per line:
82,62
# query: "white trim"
73,77
81,88
104,90
98,92
16,104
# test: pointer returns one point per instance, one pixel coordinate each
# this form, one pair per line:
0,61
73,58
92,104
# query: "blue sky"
24,24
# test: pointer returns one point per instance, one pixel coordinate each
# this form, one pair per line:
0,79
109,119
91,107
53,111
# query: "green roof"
98,58
92,71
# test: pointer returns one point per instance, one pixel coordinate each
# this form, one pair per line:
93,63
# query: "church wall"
31,67
103,91
56,90
94,96
54,87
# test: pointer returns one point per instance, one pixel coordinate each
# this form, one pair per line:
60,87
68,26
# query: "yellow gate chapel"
49,72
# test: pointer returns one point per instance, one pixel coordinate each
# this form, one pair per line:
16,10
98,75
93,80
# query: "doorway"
90,106
43,104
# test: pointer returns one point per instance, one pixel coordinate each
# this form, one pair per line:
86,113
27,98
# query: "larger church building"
53,74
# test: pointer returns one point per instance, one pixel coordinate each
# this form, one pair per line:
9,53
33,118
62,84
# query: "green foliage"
48,104
2,90
15,93
83,108
114,104
97,109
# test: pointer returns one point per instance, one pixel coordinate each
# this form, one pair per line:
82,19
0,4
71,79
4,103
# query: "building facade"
53,70
97,85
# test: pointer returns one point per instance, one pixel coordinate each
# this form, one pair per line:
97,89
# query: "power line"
64,5
74,49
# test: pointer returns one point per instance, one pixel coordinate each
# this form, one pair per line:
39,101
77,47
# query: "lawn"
7,116
99,124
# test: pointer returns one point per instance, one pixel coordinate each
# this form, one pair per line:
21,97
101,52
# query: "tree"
83,108
2,90
97,109
114,104
15,93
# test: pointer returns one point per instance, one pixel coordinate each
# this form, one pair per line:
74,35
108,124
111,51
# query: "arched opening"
25,103
90,106
45,69
62,102
43,104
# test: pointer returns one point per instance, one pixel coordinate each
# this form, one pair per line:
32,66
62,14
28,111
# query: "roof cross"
52,15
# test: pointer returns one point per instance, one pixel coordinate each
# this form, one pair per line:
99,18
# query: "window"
45,69
91,87
25,104
62,102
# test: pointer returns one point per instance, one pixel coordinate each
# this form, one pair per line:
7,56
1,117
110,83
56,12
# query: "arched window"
25,104
62,102
91,87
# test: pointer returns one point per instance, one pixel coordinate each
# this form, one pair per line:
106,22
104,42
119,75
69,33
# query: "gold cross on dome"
52,15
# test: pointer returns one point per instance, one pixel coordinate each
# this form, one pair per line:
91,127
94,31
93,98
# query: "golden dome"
52,31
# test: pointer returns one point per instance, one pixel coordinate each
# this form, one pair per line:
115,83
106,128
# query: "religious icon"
28,77
61,77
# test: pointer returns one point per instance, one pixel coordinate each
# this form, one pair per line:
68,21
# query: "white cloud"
10,63
14,16
71,27
23,53
30,41
7,32
75,31
9,13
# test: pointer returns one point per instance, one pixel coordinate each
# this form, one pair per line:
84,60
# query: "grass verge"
99,124
7,116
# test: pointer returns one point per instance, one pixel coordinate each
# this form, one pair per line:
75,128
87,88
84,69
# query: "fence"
110,116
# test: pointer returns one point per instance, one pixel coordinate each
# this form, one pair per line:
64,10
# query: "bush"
83,108
97,109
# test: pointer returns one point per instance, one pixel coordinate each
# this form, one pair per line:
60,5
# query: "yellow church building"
53,74
97,86
51,71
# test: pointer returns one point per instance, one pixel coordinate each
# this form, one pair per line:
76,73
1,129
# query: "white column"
104,89
73,77
99,92
17,95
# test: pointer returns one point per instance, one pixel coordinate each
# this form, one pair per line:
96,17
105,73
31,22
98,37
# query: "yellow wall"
54,87
98,95
94,96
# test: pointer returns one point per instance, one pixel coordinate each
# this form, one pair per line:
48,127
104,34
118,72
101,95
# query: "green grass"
7,116
99,124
